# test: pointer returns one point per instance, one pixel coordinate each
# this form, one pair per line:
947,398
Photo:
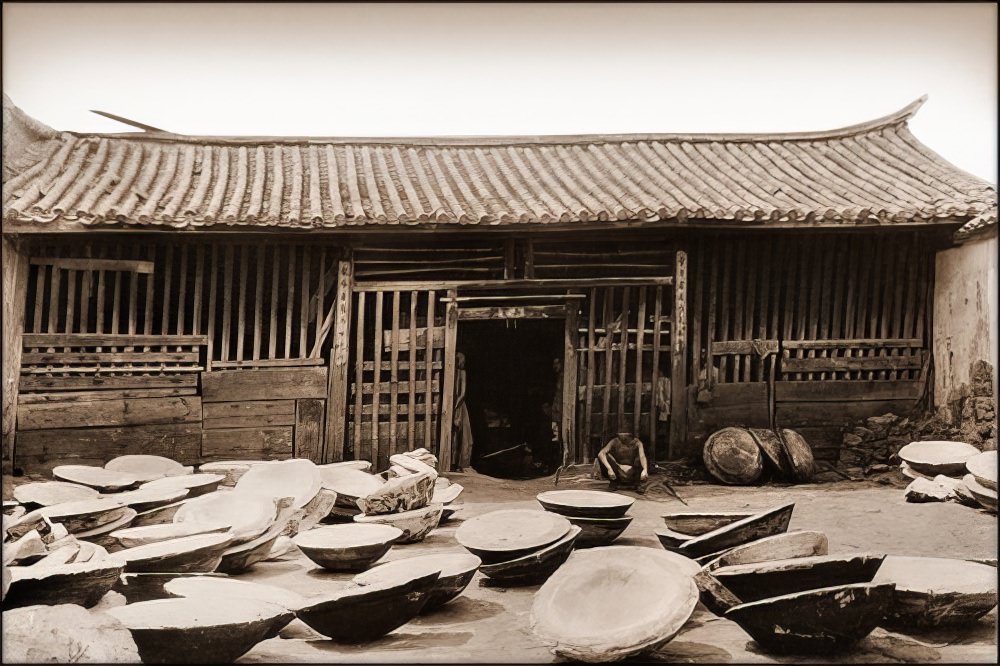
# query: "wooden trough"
778,547
695,523
760,580
456,572
136,587
598,531
732,456
759,525
936,591
987,498
982,466
146,467
76,583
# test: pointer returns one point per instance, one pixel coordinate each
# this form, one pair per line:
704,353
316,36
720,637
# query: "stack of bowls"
599,515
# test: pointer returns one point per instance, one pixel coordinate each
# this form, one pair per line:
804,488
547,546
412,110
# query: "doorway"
514,394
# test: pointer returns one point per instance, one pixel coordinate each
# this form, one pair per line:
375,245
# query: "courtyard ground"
491,624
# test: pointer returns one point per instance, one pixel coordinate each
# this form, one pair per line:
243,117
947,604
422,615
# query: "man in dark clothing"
624,461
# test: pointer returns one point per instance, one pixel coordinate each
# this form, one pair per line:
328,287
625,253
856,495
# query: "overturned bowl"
352,547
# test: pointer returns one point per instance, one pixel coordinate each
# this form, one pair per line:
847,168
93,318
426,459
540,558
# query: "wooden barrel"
733,456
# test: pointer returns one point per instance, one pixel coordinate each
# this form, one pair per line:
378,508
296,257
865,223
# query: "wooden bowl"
102,535
363,613
937,591
200,631
447,494
350,484
133,537
733,456
598,531
159,515
296,478
47,493
222,587
696,524
104,480
248,515
820,621
505,535
534,567
585,503
938,457
147,499
404,493
363,465
195,484
415,525
760,580
232,470
202,552
987,498
136,587
457,571
982,466
83,584
777,547
147,467
605,604
352,547
78,516
760,525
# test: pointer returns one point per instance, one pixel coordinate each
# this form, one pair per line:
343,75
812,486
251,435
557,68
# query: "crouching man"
624,461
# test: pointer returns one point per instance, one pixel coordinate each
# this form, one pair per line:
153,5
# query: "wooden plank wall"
15,274
443,259
807,332
394,401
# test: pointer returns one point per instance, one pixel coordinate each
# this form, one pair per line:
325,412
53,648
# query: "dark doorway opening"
514,392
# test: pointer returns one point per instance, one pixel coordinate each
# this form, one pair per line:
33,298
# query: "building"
243,297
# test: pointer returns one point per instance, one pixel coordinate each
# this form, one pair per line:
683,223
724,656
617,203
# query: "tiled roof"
875,172
977,225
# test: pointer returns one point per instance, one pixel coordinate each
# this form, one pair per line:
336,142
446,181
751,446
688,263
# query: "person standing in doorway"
461,426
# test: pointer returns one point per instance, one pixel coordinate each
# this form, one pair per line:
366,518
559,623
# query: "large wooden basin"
535,567
84,583
695,523
415,524
47,493
777,547
937,591
938,457
104,480
195,484
248,515
598,531
507,534
296,478
585,503
982,466
733,456
760,525
760,580
147,467
350,484
457,571
605,604
353,547
201,552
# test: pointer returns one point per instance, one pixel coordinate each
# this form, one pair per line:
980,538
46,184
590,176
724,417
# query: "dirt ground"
490,624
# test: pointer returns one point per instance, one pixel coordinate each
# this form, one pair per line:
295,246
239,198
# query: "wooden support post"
15,283
448,392
678,359
569,383
336,404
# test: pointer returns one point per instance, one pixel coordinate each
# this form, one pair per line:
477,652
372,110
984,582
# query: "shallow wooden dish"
133,537
415,525
456,572
102,535
938,457
982,466
101,479
202,552
987,498
937,591
147,499
605,604
363,465
158,515
695,523
534,567
507,534
83,515
359,614
820,621
350,484
585,503
760,525
147,467
76,583
232,470
353,547
248,515
733,456
760,580
195,484
296,478
201,631
216,586
598,531
46,493
777,547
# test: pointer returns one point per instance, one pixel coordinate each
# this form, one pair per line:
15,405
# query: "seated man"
624,461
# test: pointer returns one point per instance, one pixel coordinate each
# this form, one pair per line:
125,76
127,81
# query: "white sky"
423,69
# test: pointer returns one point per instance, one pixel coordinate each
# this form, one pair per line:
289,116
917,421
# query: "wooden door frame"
568,312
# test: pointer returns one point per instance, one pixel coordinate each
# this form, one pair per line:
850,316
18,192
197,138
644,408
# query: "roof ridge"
898,117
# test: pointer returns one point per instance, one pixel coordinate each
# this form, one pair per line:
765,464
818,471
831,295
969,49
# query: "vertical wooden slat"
898,273
41,275
258,306
752,267
70,301
726,258
608,359
213,282
445,454
182,291
588,395
739,299
836,325
698,310
569,380
802,304
168,267
116,303
304,305
333,443
623,358
639,338
764,265
827,258
290,303
876,303
199,288
54,300
429,374
394,373
411,377
678,353
909,308
86,278
241,312
375,452
14,260
308,429
712,334
272,333
227,302
359,378
320,295
779,269
815,288
851,297
654,397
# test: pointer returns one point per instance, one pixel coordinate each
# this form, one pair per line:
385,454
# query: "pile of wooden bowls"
612,602
708,535
742,456
518,546
950,470
601,516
